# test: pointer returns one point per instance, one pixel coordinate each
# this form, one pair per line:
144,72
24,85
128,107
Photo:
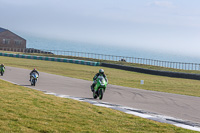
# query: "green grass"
115,76
26,110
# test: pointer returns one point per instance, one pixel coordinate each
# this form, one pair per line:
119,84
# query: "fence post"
185,66
195,66
182,64
176,65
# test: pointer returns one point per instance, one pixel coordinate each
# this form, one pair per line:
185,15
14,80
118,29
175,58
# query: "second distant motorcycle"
34,78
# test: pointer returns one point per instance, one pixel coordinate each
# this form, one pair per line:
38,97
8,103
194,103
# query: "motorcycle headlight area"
102,85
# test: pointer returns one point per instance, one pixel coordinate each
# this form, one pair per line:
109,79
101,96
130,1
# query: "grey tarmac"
173,105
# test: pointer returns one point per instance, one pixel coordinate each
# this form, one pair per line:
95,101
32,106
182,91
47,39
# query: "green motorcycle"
100,87
2,69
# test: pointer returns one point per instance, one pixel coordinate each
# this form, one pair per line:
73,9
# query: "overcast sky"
165,25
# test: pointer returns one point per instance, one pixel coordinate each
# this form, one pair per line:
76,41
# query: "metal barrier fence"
144,61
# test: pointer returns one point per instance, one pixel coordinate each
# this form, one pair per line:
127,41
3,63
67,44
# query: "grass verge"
115,76
26,110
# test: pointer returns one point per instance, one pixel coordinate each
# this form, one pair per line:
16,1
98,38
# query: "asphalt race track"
177,106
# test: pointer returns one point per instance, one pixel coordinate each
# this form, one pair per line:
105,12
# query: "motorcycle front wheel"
94,95
33,82
100,94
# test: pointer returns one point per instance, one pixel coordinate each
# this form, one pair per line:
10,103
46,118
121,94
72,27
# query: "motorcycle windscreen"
101,79
35,75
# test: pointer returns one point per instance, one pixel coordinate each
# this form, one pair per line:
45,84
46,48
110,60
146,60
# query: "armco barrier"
153,72
82,62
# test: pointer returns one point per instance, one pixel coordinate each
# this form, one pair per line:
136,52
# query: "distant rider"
2,66
101,73
34,70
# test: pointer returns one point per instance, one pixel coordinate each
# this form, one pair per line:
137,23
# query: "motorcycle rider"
34,70
2,66
101,73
